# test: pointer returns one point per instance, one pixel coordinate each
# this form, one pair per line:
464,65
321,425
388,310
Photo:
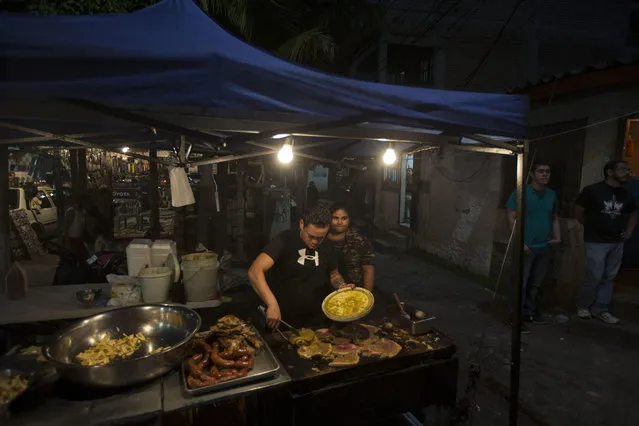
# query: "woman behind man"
355,256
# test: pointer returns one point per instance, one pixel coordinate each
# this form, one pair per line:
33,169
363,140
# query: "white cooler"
138,256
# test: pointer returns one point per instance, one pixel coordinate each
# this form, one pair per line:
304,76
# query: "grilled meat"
345,360
305,337
371,328
316,349
385,348
345,349
325,335
225,352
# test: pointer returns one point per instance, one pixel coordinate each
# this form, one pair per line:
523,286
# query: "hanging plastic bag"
181,192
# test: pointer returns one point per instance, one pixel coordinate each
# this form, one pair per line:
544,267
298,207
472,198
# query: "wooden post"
73,165
221,219
415,189
240,251
154,195
4,215
82,170
206,205
60,202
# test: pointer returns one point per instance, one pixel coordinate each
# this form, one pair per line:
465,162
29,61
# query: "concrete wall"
603,140
457,206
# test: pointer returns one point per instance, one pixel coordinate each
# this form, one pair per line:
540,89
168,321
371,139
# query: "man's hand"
526,249
273,316
626,235
554,241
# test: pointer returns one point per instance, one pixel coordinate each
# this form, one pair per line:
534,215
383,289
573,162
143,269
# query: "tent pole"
515,348
5,248
71,140
491,142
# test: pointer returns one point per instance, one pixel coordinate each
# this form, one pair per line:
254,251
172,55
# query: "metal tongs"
294,330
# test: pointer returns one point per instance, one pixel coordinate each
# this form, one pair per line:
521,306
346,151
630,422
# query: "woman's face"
340,221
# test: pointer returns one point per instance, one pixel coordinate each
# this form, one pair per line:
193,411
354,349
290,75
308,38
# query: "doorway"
631,249
405,194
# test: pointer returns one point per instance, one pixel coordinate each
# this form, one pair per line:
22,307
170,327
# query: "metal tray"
266,366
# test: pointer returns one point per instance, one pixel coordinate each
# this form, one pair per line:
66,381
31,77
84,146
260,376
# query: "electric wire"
484,58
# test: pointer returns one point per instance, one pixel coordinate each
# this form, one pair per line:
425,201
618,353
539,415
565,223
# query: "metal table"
67,404
53,303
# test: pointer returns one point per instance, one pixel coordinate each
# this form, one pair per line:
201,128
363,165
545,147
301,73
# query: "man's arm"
337,281
368,269
511,216
257,277
580,212
632,221
369,277
580,206
556,230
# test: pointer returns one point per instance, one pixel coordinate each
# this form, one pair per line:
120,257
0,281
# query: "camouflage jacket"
353,252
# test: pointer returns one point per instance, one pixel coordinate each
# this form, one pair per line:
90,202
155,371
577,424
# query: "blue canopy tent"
171,57
171,67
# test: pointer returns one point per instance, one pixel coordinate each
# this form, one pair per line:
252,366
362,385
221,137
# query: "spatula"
294,330
402,312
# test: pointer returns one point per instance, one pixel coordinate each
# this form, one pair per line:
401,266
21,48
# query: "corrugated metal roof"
630,59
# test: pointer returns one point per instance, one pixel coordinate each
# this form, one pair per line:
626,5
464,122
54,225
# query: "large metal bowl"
165,326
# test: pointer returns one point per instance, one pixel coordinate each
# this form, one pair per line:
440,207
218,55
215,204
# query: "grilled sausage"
219,361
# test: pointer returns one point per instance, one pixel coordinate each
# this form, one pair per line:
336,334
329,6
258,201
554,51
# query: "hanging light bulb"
125,149
285,154
390,156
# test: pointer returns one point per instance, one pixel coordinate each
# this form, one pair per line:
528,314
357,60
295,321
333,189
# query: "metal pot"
167,326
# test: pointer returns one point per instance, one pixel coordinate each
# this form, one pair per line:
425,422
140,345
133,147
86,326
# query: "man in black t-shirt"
299,269
609,214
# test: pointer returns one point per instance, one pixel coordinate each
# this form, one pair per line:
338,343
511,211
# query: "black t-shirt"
299,277
607,209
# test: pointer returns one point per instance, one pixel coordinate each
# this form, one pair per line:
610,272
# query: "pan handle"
262,310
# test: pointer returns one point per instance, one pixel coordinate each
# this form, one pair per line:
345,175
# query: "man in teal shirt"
540,232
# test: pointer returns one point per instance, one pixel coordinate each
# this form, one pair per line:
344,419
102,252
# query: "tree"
324,34
321,33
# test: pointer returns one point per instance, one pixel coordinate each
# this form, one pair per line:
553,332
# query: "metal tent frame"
259,132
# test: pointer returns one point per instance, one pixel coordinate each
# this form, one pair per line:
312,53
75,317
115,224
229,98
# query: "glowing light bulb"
285,154
125,149
389,157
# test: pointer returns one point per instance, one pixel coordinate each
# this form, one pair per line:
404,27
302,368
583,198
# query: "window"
410,65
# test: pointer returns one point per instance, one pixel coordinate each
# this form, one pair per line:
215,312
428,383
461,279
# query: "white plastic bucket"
156,284
205,260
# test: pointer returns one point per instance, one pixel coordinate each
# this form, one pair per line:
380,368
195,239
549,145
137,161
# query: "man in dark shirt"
299,270
609,214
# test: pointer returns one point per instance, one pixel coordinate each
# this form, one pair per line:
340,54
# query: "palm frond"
310,47
236,13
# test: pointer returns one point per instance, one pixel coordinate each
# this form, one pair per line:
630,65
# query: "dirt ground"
573,371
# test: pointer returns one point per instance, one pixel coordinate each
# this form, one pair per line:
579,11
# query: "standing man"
541,231
608,213
355,256
300,268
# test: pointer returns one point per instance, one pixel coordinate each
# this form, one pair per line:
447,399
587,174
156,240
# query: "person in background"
608,213
541,231
355,256
75,226
312,195
299,270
